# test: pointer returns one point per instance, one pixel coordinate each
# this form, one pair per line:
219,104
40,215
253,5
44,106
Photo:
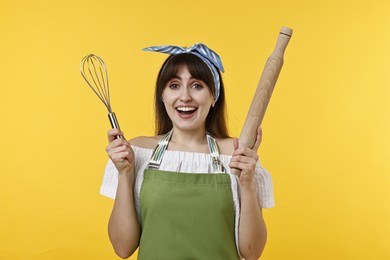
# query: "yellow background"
326,133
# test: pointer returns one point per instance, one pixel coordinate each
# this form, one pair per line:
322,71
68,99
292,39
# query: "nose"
185,95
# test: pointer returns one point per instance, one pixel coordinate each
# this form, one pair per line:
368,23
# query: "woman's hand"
245,159
123,227
120,152
252,234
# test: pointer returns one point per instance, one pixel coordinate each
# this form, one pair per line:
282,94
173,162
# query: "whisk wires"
94,71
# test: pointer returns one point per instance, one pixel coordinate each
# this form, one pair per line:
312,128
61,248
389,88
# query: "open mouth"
186,110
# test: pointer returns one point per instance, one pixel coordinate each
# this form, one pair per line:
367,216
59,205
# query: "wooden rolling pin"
264,91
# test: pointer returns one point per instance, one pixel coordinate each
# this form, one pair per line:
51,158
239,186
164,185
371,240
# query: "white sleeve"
264,187
110,181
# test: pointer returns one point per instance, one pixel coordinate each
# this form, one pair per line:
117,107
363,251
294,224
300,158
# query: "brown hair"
216,119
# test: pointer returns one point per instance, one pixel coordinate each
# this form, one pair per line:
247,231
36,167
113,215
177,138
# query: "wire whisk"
94,71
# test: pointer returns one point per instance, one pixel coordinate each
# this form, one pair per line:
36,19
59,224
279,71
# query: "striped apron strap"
158,153
214,153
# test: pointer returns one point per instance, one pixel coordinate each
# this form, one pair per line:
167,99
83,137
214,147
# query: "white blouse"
187,162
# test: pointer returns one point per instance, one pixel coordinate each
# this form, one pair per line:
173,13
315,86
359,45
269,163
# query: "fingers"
117,149
245,152
119,157
243,167
116,143
244,159
259,137
113,133
235,143
243,163
121,153
246,166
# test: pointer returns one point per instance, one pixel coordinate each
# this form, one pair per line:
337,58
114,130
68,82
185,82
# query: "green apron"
186,215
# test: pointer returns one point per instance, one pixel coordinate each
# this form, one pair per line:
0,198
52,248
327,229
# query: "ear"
213,104
162,100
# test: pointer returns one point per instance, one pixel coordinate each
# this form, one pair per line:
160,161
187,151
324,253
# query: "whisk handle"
114,122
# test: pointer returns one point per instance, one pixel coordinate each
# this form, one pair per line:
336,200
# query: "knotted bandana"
207,55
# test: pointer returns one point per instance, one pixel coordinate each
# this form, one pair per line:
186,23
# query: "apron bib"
186,215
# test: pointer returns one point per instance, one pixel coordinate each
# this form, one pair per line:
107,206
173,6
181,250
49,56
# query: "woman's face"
187,101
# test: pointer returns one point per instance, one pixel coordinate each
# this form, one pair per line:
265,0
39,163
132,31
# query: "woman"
174,195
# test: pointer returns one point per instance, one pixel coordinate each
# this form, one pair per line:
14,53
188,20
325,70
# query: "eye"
174,86
197,86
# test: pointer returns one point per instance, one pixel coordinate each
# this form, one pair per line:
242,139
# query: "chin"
189,127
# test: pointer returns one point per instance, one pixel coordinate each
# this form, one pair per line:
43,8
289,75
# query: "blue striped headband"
207,55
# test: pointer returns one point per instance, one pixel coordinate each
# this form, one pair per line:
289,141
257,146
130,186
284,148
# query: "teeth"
186,108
